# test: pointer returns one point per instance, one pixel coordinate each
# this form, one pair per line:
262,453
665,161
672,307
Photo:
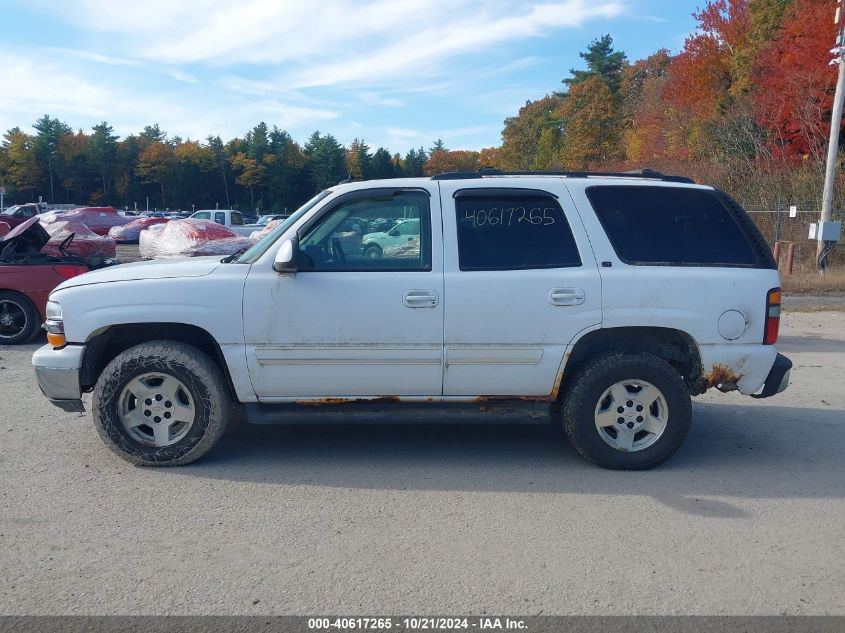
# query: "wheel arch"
676,347
104,344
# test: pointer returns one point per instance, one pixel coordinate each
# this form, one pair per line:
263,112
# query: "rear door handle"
420,298
566,296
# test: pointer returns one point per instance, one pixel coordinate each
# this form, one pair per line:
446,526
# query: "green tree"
603,62
438,146
102,153
48,132
326,161
414,163
382,164
216,145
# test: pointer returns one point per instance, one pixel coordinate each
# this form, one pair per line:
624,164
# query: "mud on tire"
202,387
588,396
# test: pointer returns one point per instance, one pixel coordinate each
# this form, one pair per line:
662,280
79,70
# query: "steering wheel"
337,250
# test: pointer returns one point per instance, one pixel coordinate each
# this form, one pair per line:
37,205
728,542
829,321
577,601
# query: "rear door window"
512,229
675,226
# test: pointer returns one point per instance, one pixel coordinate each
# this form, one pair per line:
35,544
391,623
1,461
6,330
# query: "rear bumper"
57,373
778,378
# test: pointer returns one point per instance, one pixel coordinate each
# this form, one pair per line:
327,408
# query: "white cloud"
178,75
108,60
42,86
329,42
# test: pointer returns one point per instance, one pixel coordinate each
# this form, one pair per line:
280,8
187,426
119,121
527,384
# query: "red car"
18,214
27,277
98,219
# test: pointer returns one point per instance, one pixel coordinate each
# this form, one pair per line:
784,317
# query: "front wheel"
627,411
161,403
373,252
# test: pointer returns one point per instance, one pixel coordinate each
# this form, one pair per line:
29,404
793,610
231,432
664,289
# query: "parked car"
604,301
190,238
264,220
20,213
375,244
129,233
225,217
27,277
99,219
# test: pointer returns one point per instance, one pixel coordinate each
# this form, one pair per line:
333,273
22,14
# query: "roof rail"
648,174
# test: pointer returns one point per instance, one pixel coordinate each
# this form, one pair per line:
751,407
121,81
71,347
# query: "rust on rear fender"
722,375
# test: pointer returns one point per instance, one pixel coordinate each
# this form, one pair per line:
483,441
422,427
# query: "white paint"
442,334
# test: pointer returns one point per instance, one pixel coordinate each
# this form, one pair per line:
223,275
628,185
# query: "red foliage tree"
797,82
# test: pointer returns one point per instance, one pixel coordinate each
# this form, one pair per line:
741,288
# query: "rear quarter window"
673,226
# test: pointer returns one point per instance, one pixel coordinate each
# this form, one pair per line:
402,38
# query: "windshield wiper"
234,256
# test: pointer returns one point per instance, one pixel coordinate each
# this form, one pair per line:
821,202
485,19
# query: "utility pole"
833,144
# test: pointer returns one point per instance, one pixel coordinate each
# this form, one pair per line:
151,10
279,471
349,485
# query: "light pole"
823,244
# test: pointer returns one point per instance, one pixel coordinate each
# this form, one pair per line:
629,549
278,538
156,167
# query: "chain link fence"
776,223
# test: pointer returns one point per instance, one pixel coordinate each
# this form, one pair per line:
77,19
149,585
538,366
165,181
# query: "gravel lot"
747,519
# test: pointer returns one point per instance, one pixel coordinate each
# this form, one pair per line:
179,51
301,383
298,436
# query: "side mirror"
286,257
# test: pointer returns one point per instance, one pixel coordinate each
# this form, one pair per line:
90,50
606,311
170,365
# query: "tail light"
69,270
772,316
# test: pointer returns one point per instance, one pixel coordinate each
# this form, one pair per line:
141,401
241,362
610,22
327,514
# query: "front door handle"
420,298
566,296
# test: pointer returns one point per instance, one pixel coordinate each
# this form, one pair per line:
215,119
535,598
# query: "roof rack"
648,174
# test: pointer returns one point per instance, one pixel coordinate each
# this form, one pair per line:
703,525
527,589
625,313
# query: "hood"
375,236
25,239
156,269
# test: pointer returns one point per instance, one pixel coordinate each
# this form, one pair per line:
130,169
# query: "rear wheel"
161,403
18,318
627,411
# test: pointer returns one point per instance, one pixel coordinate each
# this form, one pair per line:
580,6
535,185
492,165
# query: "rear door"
520,283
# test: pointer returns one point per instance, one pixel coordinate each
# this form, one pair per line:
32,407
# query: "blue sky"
397,73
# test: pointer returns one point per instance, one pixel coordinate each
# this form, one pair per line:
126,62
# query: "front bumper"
57,373
778,378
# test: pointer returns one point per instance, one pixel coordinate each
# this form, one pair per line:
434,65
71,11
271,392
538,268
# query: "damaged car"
28,275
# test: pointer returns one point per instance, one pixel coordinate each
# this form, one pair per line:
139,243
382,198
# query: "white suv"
379,243
605,300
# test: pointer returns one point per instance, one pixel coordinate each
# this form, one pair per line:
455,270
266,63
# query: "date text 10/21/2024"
429,623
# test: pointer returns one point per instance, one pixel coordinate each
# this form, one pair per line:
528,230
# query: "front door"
347,324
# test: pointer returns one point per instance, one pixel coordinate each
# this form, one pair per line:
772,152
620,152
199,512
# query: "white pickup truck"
227,217
604,300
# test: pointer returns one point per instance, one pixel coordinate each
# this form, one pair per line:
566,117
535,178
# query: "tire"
19,319
373,252
128,392
613,425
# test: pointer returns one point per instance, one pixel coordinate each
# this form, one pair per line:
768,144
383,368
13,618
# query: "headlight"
54,310
55,326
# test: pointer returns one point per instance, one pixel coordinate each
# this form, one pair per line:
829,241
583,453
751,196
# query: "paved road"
747,519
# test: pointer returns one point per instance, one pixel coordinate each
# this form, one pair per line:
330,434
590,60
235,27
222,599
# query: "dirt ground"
746,519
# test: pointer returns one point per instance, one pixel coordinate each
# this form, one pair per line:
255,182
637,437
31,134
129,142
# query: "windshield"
11,210
265,242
